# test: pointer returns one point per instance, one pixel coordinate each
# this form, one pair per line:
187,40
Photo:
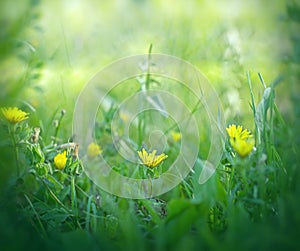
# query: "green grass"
249,203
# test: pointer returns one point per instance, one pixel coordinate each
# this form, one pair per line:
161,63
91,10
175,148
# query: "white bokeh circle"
96,92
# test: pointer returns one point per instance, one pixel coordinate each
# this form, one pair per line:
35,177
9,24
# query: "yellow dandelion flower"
238,132
151,160
176,136
13,114
243,147
94,150
60,160
124,117
241,140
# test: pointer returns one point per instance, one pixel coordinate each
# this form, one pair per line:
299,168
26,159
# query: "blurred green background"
55,47
50,49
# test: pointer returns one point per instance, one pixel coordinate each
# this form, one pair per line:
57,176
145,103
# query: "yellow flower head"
124,117
238,132
176,136
94,150
241,140
242,147
151,160
60,160
13,114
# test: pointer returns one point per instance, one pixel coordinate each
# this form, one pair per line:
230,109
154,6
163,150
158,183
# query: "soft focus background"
49,50
52,48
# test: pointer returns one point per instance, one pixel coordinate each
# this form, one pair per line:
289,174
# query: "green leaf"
64,192
261,109
42,169
182,214
176,207
38,154
54,183
56,214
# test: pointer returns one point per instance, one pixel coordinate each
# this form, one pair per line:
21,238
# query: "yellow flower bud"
93,150
60,160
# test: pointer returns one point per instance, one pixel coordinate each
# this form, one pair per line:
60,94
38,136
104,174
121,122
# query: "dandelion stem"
150,180
12,130
148,67
73,196
140,131
141,122
231,178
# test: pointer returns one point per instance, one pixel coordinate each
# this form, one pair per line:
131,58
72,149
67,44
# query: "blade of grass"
43,231
253,107
88,216
55,197
74,197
